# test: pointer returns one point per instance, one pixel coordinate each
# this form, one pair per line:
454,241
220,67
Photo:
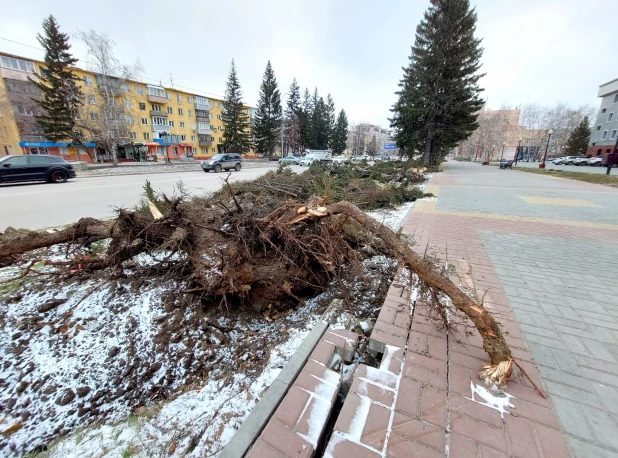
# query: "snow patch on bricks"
499,403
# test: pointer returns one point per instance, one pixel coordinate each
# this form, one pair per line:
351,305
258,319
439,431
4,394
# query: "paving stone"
608,395
376,426
262,450
571,418
318,386
433,406
432,364
340,447
475,410
322,352
521,437
292,406
313,420
565,378
603,427
574,394
419,431
599,350
409,397
280,437
479,432
552,442
462,447
587,450
374,392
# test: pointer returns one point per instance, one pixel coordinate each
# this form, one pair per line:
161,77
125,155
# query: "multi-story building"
604,136
157,121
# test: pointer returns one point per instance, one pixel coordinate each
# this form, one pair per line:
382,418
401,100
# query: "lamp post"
502,153
518,150
542,165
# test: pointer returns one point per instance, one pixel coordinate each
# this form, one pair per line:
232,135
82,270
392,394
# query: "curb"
197,169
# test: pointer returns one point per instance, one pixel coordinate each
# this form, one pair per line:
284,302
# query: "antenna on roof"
171,80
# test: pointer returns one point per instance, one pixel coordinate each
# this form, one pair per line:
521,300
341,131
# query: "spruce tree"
293,113
306,128
372,146
237,129
268,117
332,118
439,96
340,134
579,139
320,125
61,96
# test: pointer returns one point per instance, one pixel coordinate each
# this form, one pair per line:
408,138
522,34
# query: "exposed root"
497,374
541,392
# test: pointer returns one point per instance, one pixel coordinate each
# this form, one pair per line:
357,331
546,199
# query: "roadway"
567,168
41,205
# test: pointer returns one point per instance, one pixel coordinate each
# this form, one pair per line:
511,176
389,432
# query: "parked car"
340,160
381,159
225,162
596,161
361,158
289,160
35,168
569,159
309,159
558,161
581,160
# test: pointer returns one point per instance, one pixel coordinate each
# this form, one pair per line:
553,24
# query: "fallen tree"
258,245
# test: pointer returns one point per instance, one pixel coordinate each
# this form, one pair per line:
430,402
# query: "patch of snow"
318,416
499,403
390,350
392,217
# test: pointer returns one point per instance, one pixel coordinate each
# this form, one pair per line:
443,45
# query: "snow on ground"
392,217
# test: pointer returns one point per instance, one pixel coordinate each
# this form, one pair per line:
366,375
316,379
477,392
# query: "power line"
141,77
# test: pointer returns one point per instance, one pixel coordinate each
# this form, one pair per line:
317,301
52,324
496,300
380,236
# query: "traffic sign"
389,147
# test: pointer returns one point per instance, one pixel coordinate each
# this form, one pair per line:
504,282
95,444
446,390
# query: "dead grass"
608,180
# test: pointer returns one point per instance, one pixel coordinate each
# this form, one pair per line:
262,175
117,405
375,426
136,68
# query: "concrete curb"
257,420
197,169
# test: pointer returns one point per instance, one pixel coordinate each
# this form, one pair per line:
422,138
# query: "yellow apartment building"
160,122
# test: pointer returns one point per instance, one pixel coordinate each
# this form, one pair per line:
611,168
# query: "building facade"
158,122
605,129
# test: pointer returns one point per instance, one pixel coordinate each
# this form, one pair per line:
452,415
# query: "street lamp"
542,166
518,150
502,154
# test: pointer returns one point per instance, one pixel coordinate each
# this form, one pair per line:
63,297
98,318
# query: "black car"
223,162
35,168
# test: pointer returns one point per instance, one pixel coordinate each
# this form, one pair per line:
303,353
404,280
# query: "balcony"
205,142
158,114
204,130
202,106
157,99
160,128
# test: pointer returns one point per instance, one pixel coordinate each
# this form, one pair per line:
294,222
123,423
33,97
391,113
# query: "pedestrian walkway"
545,252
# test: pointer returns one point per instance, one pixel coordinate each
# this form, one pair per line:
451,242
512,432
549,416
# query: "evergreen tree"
579,139
306,128
268,116
293,113
332,118
61,96
237,130
320,125
340,134
439,95
372,146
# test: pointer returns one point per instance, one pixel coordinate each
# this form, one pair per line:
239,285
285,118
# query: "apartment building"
604,135
157,121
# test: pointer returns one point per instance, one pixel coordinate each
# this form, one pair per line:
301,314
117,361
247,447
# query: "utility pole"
542,166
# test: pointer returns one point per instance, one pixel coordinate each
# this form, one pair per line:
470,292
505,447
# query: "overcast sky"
536,51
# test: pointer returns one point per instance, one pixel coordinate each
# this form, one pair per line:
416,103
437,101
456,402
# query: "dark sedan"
35,168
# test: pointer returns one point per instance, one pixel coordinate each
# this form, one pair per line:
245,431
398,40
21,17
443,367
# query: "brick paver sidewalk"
546,252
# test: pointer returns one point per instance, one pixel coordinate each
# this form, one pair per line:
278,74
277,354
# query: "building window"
168,95
616,98
603,110
201,100
87,81
24,111
91,99
156,91
210,116
124,87
146,136
614,134
220,139
604,135
159,121
192,138
610,117
155,107
133,135
192,125
144,121
182,124
183,137
189,99
170,110
17,64
140,90
175,150
142,106
171,123
598,127
181,112
178,98
212,139
127,103
218,105
214,150
219,117
202,126
130,120
190,112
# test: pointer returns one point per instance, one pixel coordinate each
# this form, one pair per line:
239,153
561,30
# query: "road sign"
389,147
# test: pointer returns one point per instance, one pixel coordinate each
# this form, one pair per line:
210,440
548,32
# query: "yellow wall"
9,135
190,122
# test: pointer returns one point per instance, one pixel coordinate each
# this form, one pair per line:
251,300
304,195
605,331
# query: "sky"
536,51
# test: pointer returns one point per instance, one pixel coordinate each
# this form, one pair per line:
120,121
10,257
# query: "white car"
361,158
596,161
569,159
558,161
340,160
581,161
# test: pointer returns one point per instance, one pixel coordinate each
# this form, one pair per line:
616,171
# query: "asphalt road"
40,205
567,168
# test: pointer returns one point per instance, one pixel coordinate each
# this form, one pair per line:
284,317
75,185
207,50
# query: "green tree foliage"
306,128
237,130
293,113
321,125
332,118
372,146
268,116
340,134
439,92
61,96
579,139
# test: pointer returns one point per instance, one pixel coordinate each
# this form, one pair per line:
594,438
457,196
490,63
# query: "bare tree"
356,140
106,119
